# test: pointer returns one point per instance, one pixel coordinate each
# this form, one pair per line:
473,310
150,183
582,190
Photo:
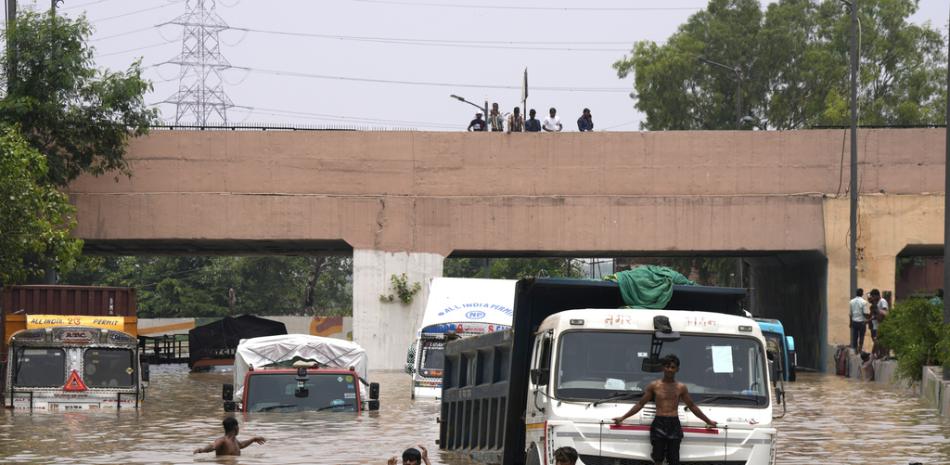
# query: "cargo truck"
71,348
456,308
574,359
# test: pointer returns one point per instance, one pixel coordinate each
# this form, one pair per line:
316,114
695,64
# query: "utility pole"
738,72
52,6
946,225
853,239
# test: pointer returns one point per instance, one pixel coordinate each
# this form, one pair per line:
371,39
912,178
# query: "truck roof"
638,319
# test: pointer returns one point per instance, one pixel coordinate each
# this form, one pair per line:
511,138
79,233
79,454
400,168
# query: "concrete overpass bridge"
401,202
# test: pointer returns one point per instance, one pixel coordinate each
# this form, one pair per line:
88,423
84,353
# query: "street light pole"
853,239
462,99
738,73
946,226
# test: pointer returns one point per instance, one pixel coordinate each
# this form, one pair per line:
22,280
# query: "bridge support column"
385,329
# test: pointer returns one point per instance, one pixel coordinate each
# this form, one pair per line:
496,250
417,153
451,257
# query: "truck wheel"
533,457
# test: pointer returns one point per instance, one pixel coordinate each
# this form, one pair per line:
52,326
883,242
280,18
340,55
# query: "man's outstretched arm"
647,397
695,408
256,439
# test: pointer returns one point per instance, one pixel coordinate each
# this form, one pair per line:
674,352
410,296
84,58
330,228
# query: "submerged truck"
456,308
299,372
71,348
782,346
574,359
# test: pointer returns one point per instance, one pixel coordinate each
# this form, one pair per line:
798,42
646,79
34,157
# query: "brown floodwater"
830,420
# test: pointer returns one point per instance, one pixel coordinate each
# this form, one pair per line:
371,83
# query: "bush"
914,330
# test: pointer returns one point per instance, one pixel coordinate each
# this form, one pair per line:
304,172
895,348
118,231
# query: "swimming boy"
666,431
229,444
412,456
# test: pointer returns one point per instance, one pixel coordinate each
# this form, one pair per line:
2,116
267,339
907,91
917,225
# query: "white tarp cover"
260,352
456,300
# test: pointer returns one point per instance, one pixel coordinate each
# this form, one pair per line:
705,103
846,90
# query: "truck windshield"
433,358
107,368
39,367
719,370
275,392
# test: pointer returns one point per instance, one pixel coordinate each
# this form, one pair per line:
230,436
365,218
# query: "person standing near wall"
858,321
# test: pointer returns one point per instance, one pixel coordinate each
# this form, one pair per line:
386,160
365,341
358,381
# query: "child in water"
229,444
412,456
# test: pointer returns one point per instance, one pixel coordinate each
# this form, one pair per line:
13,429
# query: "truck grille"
595,460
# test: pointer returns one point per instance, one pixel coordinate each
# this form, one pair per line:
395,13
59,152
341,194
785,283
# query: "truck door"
541,377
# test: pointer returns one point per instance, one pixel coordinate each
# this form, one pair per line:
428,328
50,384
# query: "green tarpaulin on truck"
648,286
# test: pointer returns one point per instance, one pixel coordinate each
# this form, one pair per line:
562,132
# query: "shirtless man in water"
666,431
229,444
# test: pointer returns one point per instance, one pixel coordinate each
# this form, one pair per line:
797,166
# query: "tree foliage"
793,59
914,330
78,116
35,218
510,268
217,286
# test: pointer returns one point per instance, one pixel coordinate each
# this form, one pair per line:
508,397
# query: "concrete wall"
887,224
385,329
934,391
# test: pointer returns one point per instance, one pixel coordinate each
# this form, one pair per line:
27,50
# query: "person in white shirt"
858,320
552,123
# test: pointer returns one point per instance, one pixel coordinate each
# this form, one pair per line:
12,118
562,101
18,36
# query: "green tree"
78,116
914,330
35,218
217,286
794,62
510,268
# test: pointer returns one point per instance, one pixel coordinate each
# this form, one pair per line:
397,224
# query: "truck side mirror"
229,406
539,376
374,391
373,405
145,373
227,392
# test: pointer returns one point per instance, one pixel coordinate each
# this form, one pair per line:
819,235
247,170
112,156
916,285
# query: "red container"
64,300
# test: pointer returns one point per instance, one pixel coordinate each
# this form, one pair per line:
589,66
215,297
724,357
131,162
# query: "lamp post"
462,99
738,73
946,227
853,187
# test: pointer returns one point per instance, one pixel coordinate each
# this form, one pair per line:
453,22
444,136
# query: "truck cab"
297,372
782,346
576,357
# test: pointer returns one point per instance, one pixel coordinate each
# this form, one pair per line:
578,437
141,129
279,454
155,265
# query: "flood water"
830,420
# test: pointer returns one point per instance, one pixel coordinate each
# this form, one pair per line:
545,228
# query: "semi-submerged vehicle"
574,359
782,346
71,348
456,308
299,372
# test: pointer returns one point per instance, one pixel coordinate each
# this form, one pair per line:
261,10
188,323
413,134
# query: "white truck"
574,359
457,307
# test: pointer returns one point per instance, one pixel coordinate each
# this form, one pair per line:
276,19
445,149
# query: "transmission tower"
200,91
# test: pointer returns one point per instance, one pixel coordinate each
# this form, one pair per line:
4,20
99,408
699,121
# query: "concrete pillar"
385,329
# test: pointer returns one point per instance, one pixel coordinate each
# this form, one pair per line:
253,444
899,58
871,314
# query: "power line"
136,49
428,83
122,34
143,10
325,116
512,45
530,8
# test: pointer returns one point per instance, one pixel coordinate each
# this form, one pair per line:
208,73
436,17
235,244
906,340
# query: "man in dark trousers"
666,433
858,320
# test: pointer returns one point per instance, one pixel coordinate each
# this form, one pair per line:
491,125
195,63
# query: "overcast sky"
299,61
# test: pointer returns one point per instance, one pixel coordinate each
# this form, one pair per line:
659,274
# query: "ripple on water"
830,420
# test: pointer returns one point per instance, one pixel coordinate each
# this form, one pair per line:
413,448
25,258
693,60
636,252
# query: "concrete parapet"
935,391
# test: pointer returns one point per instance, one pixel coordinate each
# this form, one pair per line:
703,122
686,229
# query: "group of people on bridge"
515,122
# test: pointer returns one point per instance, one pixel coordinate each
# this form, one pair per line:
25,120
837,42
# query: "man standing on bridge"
858,321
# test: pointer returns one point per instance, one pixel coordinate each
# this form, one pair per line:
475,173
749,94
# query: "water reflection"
830,420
